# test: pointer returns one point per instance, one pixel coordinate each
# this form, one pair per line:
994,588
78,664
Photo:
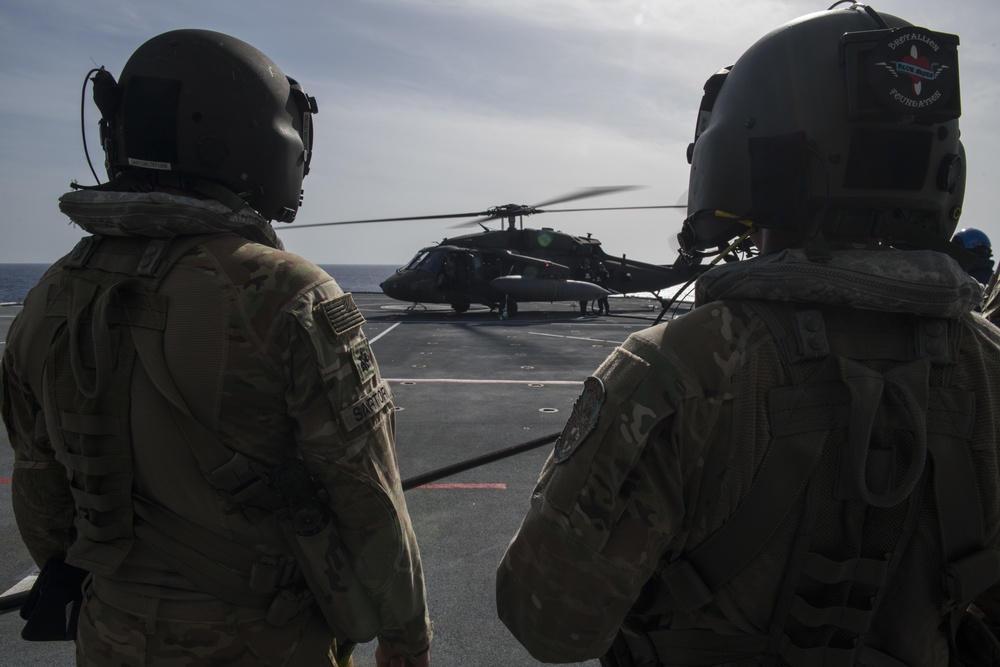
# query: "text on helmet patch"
149,164
914,71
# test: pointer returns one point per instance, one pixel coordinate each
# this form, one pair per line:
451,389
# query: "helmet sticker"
586,413
913,71
149,164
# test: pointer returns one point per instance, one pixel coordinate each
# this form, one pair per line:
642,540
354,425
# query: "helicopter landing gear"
597,309
460,307
508,307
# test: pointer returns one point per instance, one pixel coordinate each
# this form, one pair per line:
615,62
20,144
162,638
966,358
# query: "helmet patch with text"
913,71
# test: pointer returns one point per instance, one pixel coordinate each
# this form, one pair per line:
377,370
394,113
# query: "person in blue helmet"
974,240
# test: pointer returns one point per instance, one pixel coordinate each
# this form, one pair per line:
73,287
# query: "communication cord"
13,602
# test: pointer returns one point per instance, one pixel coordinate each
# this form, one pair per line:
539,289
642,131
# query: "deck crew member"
976,241
804,469
201,433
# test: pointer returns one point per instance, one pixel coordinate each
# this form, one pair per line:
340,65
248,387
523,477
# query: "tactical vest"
105,321
867,422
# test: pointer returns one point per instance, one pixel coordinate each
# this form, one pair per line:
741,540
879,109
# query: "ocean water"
17,279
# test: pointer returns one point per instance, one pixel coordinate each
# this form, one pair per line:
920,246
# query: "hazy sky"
447,106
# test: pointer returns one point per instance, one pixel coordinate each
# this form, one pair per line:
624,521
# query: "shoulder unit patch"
363,359
583,420
342,314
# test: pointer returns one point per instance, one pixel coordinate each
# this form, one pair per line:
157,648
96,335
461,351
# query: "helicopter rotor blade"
491,214
361,222
584,193
479,221
612,208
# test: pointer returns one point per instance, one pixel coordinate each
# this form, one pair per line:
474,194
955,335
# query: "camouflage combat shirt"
284,370
624,493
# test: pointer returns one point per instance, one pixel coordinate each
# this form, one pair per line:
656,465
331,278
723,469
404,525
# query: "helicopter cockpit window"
425,261
417,259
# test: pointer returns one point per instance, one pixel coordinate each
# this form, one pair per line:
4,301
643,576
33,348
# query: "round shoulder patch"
586,413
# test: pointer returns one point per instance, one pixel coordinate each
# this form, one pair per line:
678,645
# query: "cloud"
437,106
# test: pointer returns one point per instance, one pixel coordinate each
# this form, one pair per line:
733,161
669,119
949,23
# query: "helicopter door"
490,267
456,271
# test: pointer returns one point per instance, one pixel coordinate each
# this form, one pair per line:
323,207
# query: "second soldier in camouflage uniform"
804,470
161,374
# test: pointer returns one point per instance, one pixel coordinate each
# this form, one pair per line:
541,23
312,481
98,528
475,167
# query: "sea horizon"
16,278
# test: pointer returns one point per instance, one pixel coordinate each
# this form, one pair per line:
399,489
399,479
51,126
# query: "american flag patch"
342,314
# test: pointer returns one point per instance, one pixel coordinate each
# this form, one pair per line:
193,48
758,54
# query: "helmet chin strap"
817,249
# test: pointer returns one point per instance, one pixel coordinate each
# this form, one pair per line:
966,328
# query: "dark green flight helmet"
195,107
841,124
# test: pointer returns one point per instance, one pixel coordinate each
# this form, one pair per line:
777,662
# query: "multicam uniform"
675,430
268,354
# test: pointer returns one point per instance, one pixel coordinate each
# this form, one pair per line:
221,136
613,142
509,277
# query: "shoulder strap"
148,262
128,304
227,470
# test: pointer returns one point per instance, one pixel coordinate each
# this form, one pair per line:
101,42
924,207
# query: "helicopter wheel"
460,307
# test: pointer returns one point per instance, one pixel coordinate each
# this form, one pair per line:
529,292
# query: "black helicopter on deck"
500,267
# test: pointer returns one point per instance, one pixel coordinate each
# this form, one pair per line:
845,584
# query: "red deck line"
454,485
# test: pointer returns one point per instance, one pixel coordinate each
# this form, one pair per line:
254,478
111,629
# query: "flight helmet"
842,124
199,109
975,240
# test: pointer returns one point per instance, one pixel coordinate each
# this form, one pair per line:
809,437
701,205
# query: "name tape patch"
369,406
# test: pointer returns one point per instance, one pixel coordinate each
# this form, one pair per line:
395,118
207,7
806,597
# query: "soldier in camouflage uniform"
803,470
163,374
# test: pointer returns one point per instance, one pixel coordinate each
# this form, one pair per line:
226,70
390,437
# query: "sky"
430,107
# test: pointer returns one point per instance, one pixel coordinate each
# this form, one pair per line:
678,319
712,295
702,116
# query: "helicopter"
498,268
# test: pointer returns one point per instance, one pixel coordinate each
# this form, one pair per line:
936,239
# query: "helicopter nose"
393,287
